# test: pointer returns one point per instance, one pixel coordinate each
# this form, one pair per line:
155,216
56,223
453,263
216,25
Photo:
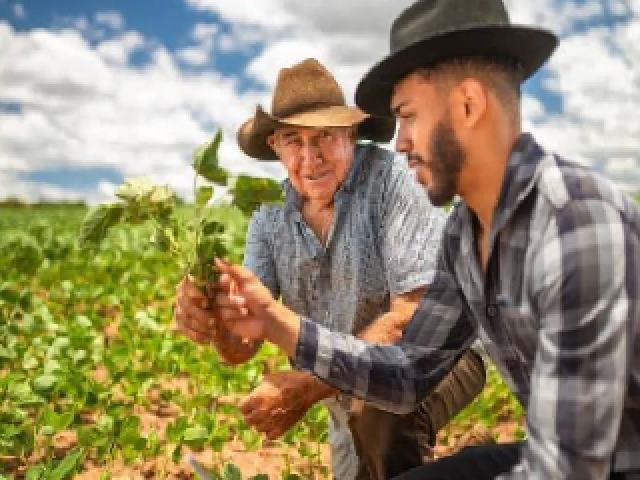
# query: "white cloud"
19,11
118,50
84,104
111,19
196,56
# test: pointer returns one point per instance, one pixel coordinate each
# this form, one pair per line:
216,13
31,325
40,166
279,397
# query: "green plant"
197,239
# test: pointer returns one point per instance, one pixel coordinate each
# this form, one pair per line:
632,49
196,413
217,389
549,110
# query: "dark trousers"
389,444
484,462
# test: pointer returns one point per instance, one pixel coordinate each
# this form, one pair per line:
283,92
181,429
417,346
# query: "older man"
353,248
540,259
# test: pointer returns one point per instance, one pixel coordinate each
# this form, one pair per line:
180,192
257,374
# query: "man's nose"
403,144
310,152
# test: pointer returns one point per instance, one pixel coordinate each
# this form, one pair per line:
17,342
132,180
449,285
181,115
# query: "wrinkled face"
317,160
427,136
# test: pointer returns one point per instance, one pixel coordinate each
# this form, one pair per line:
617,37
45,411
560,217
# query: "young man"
353,247
540,260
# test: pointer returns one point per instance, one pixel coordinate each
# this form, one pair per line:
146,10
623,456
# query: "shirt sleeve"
393,377
258,255
585,291
411,232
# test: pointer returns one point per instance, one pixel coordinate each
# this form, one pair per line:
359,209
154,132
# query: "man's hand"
196,319
191,314
280,401
247,309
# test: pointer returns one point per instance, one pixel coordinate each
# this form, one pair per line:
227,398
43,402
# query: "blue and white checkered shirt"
557,311
383,242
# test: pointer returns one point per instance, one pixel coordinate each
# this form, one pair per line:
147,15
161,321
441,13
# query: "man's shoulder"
563,182
381,168
267,217
375,159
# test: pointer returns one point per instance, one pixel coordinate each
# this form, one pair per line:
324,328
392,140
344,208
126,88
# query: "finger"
196,317
229,301
225,283
195,336
238,274
185,321
229,316
258,419
188,293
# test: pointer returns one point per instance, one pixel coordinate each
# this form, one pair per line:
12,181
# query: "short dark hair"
502,75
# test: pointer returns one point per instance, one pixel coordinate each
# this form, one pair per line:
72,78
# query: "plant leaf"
195,433
249,192
205,161
203,195
66,465
98,221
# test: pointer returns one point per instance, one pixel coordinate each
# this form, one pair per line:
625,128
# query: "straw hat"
307,95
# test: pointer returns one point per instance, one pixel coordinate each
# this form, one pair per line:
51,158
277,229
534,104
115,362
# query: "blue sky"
94,91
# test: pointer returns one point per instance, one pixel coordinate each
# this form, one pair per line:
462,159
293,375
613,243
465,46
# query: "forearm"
392,377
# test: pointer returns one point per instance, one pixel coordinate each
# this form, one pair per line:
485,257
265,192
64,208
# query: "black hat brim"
530,47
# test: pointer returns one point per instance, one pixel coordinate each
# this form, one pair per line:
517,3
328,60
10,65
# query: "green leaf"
36,472
212,227
203,195
250,192
98,221
44,382
29,362
205,161
47,431
231,472
176,455
195,433
160,239
66,465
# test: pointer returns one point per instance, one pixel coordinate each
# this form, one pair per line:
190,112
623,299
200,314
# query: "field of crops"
94,383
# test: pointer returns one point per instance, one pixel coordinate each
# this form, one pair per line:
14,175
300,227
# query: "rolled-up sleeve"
393,377
585,288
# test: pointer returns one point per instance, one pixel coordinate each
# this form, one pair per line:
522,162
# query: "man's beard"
446,160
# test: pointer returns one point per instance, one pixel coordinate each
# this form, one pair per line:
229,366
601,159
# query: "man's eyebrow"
396,109
288,134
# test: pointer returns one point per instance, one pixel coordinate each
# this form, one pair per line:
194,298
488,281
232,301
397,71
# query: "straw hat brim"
252,135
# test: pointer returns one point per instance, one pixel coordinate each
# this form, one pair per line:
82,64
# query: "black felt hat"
432,31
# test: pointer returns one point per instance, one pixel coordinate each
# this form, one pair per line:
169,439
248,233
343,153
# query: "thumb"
238,274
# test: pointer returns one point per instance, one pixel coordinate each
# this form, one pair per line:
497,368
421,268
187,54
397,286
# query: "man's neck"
481,183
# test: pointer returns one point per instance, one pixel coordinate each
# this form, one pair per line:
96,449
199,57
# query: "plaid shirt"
557,311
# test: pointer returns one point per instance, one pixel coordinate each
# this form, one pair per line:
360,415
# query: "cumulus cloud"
111,19
19,11
84,103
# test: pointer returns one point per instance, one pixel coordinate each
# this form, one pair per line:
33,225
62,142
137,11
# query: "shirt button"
491,310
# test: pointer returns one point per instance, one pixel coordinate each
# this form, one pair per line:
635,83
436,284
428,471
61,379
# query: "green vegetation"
92,374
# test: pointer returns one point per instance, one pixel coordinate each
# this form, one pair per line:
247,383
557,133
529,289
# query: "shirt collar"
293,200
519,179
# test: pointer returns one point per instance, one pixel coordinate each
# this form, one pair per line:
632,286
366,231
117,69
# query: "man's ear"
271,141
471,98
